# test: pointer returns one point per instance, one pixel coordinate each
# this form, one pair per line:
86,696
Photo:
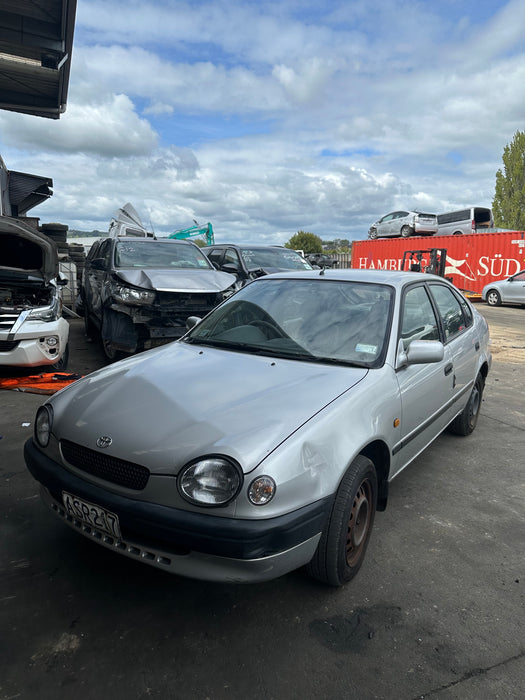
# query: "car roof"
242,246
394,278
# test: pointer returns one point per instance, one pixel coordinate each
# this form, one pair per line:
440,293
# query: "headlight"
43,425
129,295
46,313
211,481
261,490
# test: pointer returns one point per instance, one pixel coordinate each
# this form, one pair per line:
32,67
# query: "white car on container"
404,224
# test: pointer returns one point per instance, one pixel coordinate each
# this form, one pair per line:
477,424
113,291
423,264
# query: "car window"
92,252
232,256
215,255
418,320
283,258
159,255
105,251
520,277
450,310
311,319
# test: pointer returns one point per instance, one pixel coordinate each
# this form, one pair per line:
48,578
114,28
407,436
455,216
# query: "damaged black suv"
138,292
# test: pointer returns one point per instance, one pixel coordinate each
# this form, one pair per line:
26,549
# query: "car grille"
117,471
8,345
196,304
7,321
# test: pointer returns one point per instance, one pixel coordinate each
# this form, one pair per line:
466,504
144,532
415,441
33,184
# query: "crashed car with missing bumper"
33,332
266,438
138,292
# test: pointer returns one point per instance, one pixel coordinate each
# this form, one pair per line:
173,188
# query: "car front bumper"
197,545
28,347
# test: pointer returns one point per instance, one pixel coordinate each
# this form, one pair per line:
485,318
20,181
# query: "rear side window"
453,216
418,320
456,316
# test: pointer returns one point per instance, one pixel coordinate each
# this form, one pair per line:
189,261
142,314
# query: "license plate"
91,514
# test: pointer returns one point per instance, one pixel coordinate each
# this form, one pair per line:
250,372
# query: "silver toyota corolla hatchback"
265,439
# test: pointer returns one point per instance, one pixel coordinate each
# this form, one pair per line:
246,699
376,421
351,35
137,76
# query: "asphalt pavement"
437,611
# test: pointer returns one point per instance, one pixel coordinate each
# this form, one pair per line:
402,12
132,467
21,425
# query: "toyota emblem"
104,441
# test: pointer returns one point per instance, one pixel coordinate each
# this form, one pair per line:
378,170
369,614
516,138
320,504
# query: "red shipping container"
473,260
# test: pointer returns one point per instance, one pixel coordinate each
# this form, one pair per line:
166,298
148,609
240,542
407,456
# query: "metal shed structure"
36,39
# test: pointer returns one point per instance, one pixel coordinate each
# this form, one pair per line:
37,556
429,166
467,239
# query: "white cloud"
269,118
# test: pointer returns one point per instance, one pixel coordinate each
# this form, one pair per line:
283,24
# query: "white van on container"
470,220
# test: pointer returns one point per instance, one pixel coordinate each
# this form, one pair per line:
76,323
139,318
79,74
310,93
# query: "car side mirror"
230,267
420,352
97,263
192,321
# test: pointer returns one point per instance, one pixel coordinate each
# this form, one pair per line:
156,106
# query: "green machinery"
206,230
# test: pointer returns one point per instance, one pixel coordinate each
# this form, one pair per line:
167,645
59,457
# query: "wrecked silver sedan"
266,438
138,292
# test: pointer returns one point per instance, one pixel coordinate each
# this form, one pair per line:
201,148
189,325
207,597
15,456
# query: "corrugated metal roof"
36,40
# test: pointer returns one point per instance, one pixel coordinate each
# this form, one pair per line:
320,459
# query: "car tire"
343,544
89,327
61,365
493,298
465,423
109,350
406,231
372,233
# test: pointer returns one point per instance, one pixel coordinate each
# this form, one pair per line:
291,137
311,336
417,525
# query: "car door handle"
448,369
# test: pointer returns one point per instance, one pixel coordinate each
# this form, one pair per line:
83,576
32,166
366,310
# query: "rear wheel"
465,423
406,231
493,298
343,544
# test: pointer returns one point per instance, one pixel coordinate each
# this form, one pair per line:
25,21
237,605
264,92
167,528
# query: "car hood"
178,402
25,253
202,280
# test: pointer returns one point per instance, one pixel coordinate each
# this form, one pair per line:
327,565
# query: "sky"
267,118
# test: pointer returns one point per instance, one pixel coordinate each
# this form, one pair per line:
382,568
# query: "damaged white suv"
33,332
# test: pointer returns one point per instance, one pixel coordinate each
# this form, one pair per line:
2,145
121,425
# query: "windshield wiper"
224,344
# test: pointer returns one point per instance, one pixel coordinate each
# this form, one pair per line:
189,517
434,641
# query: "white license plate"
99,518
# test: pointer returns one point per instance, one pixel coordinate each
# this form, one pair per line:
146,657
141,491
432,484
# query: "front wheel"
372,233
343,544
493,298
110,352
61,365
465,423
406,231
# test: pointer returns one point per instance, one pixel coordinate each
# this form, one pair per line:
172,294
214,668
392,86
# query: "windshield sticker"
369,349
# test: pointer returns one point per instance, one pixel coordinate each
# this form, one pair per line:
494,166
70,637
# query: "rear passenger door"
460,338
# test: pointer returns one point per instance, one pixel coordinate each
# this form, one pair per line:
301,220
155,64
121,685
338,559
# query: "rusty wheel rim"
359,523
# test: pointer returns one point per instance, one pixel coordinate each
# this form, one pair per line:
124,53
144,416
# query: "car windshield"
310,319
281,258
163,255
